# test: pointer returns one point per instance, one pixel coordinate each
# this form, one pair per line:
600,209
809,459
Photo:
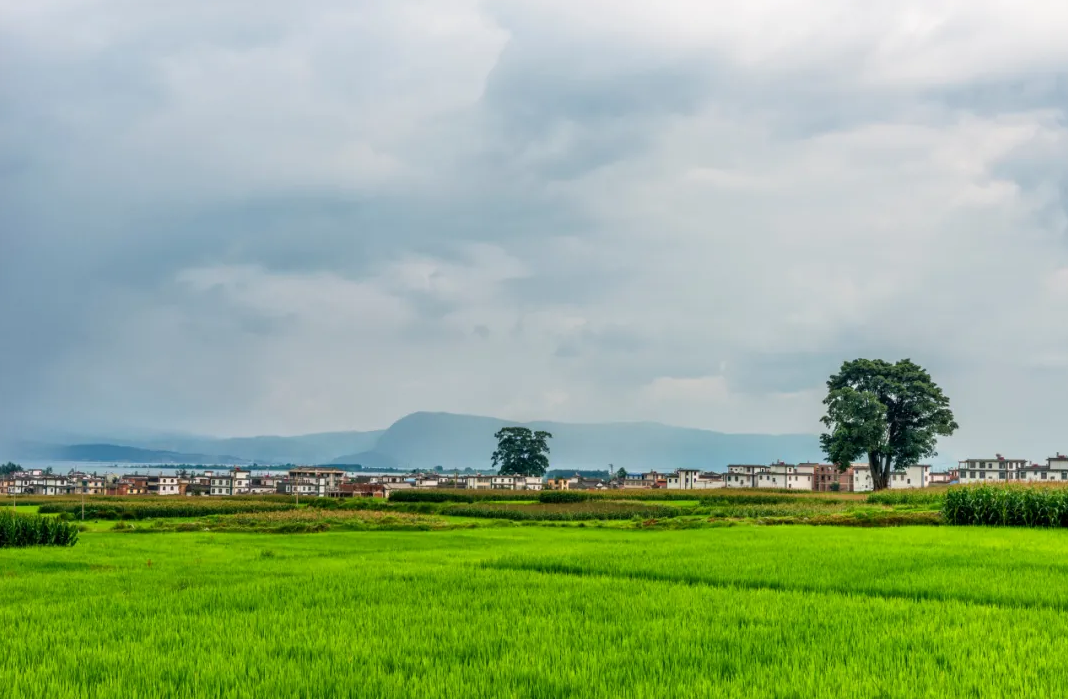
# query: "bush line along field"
591,613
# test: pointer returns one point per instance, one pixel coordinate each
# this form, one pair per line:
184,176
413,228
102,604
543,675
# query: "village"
326,481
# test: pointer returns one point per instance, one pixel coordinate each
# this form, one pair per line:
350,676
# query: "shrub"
18,530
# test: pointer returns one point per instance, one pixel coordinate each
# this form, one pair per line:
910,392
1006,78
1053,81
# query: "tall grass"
908,497
18,530
1007,505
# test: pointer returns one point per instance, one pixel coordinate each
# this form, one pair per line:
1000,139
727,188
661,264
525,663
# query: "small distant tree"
621,474
836,486
891,413
521,452
9,468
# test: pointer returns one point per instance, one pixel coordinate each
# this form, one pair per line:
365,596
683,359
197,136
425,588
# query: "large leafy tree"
891,413
521,452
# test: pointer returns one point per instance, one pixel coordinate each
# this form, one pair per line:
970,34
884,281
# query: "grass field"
743,611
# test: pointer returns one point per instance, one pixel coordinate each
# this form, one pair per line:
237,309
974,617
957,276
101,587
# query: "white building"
862,482
478,482
37,482
324,479
683,479
786,476
164,485
996,469
1055,471
221,484
915,476
743,475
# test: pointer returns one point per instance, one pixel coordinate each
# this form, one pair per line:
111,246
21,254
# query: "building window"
1001,475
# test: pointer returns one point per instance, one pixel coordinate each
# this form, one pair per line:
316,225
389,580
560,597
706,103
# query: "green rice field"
519,611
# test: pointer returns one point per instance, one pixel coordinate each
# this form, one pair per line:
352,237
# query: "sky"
238,217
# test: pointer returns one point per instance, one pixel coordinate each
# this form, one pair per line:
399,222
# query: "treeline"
18,530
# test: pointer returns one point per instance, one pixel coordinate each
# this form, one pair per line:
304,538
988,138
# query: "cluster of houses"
324,481
311,482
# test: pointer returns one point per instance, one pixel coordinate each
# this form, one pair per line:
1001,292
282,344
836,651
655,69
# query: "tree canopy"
891,413
521,452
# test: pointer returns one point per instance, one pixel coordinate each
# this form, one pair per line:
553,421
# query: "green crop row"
563,512
717,496
461,495
1007,505
132,508
34,530
907,497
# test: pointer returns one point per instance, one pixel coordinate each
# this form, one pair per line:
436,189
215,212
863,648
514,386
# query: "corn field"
34,530
1007,505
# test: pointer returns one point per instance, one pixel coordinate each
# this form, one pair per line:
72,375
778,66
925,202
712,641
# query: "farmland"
536,611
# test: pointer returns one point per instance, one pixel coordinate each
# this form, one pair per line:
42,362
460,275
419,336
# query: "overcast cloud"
274,217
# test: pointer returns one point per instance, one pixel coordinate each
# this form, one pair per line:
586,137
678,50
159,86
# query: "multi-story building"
996,469
83,483
478,482
165,485
692,479
828,477
38,482
263,485
1055,471
799,477
683,479
221,484
652,479
914,476
859,478
743,475
325,479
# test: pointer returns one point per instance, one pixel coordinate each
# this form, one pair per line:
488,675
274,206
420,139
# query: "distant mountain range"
426,440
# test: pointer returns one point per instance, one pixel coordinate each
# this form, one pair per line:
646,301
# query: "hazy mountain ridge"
424,440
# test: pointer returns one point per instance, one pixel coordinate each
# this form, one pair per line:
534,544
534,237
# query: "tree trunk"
880,471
